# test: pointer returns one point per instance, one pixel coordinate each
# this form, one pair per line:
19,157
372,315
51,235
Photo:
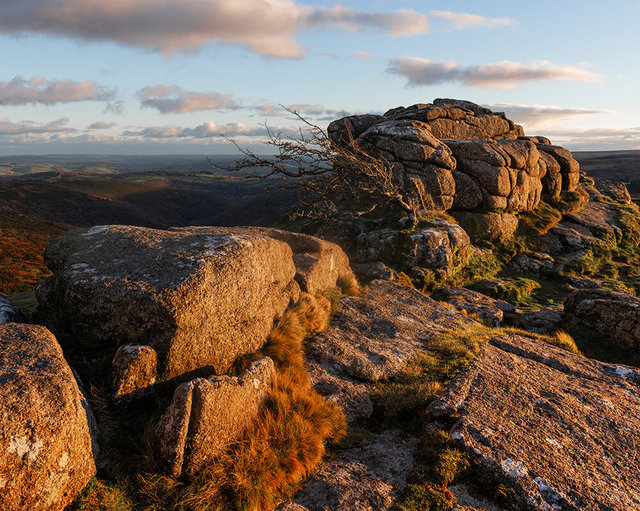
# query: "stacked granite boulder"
454,155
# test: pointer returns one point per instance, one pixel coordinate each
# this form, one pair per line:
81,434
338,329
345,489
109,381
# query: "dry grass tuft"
348,284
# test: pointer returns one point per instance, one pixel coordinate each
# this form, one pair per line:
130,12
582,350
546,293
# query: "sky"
174,76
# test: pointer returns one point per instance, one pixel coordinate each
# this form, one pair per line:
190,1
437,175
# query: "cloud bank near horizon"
188,25
171,99
499,75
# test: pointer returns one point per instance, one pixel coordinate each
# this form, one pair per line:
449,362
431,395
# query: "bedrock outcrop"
456,155
560,428
47,451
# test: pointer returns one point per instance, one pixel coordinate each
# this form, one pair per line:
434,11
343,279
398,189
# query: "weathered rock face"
507,172
373,338
487,226
46,447
371,478
206,415
135,368
430,247
458,155
116,285
489,310
562,428
532,262
9,313
612,314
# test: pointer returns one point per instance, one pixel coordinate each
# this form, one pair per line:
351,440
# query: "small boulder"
9,313
612,314
487,226
206,415
489,310
532,262
47,448
135,368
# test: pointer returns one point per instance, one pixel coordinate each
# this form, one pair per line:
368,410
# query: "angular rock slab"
563,428
46,426
199,297
207,415
368,478
373,338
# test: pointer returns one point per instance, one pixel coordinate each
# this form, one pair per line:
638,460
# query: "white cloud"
463,21
499,75
173,99
596,139
19,91
206,130
542,116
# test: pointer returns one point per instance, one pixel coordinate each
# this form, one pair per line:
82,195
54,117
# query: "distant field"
621,166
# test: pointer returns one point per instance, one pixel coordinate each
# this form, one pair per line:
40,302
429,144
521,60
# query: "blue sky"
168,76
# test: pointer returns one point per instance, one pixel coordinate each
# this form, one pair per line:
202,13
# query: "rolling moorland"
461,333
43,197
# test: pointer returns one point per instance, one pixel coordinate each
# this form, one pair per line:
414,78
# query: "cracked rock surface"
563,428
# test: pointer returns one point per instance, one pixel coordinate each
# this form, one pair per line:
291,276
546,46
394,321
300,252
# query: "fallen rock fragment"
489,310
207,415
47,430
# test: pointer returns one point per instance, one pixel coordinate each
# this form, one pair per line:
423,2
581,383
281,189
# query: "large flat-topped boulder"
199,297
319,263
46,447
562,428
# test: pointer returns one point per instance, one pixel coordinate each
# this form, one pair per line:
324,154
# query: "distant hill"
613,165
33,211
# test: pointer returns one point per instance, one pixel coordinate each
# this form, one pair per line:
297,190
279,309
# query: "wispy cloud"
403,22
8,127
37,90
543,116
463,21
101,125
499,75
362,55
597,139
206,130
173,99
